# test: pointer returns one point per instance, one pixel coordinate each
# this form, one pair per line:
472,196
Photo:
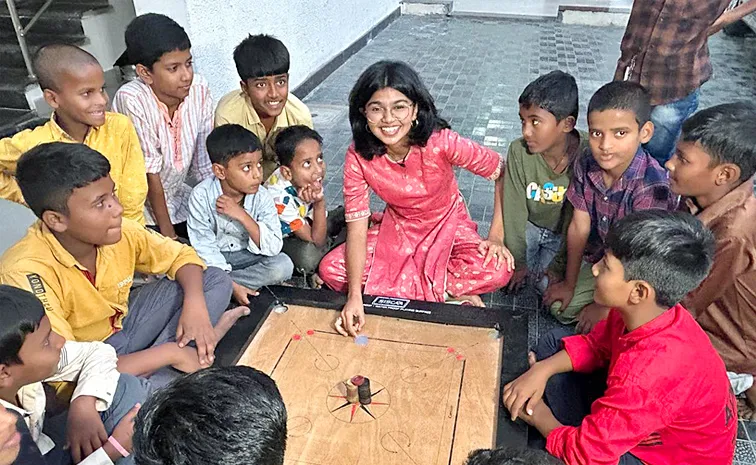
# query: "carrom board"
434,387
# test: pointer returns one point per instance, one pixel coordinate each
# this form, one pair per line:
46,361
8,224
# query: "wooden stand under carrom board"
434,373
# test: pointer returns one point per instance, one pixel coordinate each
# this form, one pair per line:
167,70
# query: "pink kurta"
426,243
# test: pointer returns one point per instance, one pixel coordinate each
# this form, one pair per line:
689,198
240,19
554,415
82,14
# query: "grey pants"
154,311
129,392
305,255
255,271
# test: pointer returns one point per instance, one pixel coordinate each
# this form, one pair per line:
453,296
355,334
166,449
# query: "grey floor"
476,69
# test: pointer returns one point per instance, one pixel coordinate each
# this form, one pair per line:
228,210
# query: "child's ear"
6,378
729,173
56,221
641,292
243,85
51,98
219,171
567,124
646,132
286,172
144,74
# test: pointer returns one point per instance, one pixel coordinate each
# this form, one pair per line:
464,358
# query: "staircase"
60,22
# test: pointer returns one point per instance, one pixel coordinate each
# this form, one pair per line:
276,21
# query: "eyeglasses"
400,111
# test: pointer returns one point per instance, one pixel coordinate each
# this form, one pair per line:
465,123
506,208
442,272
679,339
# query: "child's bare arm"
156,197
148,361
577,237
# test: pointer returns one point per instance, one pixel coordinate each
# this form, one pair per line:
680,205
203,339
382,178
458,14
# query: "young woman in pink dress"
426,246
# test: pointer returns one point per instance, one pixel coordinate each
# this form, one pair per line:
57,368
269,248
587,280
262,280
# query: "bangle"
118,446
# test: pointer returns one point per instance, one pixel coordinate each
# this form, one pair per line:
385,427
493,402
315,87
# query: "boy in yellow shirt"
74,86
264,104
80,259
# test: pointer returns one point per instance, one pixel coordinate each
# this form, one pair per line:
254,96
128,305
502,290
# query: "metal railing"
21,31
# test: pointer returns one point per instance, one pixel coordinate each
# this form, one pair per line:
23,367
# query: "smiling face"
389,115
615,138
170,77
80,97
267,94
540,129
307,167
243,173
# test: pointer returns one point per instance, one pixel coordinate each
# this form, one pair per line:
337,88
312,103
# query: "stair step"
40,39
65,7
13,121
51,23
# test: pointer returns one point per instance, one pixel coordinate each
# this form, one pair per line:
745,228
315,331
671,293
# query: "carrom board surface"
434,388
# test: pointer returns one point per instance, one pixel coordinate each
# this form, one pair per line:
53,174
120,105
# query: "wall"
314,31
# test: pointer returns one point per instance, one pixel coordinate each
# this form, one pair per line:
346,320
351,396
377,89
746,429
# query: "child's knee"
550,343
215,278
282,267
565,316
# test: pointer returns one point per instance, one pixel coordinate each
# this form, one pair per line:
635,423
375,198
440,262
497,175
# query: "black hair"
555,92
288,139
510,456
49,173
623,95
261,55
152,35
53,60
216,416
727,133
230,140
20,314
399,76
671,251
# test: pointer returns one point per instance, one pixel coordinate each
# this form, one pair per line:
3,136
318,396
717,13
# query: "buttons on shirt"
606,198
603,219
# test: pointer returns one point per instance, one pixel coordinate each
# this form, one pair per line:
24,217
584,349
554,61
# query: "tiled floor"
476,69
534,9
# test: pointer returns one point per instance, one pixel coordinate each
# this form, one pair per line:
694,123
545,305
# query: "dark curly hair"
401,77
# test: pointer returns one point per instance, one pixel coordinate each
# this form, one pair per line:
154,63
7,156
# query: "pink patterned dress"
426,244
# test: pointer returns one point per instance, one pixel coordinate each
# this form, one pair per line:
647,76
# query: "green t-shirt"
534,193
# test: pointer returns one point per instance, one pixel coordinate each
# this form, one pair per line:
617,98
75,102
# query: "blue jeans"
668,120
255,271
570,395
541,246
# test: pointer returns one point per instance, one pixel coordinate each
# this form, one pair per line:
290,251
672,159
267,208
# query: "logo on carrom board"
390,303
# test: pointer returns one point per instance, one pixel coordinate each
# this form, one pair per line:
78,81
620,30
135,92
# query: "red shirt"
668,399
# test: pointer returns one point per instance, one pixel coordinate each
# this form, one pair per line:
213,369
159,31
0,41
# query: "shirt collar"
636,170
62,255
59,133
21,411
654,326
253,118
163,108
733,199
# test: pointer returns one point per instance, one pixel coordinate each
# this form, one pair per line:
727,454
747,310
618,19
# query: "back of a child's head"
152,35
217,416
555,92
261,55
230,140
52,61
20,314
727,133
289,138
510,456
49,173
671,251
623,96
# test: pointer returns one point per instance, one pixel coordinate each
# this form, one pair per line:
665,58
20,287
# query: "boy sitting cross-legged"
74,86
233,223
538,174
667,396
713,167
615,178
103,404
80,259
264,104
297,190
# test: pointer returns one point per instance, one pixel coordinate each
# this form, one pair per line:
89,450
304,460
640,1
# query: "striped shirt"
643,186
174,147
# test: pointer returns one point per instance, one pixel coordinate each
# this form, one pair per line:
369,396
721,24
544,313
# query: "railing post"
21,37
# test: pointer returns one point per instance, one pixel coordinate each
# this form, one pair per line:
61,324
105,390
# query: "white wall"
314,31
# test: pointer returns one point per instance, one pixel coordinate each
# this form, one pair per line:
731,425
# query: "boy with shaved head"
74,86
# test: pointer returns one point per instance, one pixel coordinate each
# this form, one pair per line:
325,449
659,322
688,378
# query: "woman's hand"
353,315
494,251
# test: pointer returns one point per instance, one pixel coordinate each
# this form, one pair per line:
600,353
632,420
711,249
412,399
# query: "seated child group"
159,222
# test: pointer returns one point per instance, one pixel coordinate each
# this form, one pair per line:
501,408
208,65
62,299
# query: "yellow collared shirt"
77,309
116,140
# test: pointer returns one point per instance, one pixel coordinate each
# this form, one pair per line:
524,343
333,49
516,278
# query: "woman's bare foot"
531,358
316,282
473,300
228,319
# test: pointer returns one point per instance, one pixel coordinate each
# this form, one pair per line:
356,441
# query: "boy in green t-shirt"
539,169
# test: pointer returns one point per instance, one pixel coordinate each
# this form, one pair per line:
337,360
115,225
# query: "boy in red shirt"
667,398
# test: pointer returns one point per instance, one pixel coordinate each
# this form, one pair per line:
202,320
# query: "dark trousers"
570,395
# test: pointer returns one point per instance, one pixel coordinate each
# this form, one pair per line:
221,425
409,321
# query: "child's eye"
595,134
259,165
173,69
260,85
320,159
189,64
536,122
282,82
306,164
621,133
245,168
